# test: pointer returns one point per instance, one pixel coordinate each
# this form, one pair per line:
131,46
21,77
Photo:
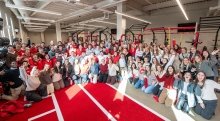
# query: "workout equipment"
167,35
106,33
135,28
210,24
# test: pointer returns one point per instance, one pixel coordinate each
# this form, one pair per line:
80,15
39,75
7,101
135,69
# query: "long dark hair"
167,72
203,81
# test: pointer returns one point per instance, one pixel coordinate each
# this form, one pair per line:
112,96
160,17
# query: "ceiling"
73,11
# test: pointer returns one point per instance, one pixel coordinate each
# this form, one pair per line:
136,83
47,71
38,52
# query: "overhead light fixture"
182,9
106,22
32,23
37,19
132,17
32,9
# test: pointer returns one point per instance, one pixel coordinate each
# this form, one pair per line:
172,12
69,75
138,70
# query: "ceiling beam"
37,19
135,6
149,2
41,5
86,10
31,9
169,3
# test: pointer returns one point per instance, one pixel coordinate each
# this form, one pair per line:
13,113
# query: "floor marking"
98,104
144,106
41,115
57,108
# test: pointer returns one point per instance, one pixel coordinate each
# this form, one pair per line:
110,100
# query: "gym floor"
169,112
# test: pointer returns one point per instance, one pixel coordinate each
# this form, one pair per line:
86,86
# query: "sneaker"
27,105
156,98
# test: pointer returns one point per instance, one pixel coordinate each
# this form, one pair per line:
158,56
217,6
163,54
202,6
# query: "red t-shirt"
103,68
115,59
168,81
33,50
54,60
132,52
49,62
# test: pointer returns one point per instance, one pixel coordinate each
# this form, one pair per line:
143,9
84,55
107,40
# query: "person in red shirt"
21,51
112,51
48,61
132,50
115,58
168,94
33,49
36,61
103,75
79,50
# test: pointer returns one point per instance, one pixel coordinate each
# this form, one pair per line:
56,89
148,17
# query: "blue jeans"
139,84
77,79
149,89
84,78
182,103
208,112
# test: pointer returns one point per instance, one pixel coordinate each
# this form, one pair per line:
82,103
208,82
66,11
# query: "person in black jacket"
15,83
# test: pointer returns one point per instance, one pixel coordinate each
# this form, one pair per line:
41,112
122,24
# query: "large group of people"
172,74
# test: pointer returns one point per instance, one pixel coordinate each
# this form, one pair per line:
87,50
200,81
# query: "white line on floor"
144,106
98,104
41,115
57,108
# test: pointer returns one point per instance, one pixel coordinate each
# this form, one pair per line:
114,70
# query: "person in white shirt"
112,72
207,103
35,91
122,65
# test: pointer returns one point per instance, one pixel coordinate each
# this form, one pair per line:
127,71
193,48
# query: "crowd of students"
174,75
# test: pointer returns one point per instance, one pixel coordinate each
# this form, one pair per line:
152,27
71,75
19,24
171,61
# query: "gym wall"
10,15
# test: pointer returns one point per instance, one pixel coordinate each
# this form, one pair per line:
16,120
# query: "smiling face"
200,76
170,70
187,76
185,61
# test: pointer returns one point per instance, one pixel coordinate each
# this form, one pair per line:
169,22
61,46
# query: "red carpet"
36,109
76,106
122,110
48,117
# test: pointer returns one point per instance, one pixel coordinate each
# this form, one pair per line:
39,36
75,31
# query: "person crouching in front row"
186,90
45,78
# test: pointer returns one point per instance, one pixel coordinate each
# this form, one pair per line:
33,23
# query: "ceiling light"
182,9
32,9
37,19
32,23
132,17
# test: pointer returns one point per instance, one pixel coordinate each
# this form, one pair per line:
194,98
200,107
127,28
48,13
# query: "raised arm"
168,64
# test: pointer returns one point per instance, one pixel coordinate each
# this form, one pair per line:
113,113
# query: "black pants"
66,81
208,112
133,80
36,95
103,78
156,91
